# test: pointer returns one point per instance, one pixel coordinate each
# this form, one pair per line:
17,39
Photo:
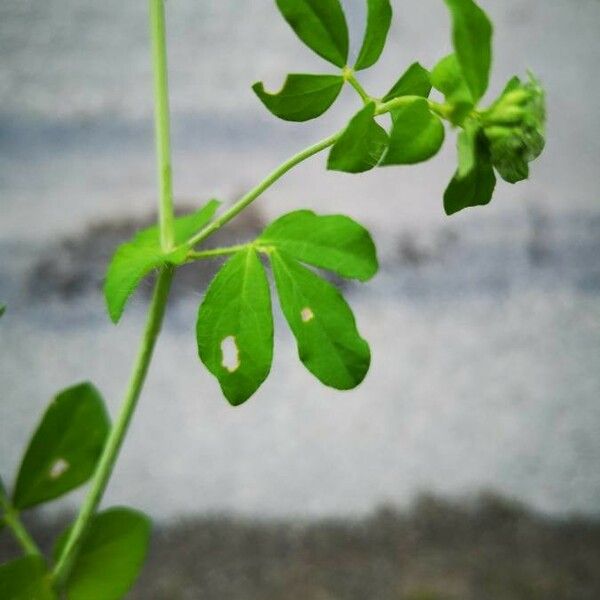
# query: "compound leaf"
447,77
379,19
65,448
111,556
25,579
472,38
475,189
235,327
332,242
321,25
329,344
140,256
302,97
415,81
362,144
417,135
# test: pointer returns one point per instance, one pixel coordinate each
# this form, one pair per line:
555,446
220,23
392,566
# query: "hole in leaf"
307,314
230,353
58,468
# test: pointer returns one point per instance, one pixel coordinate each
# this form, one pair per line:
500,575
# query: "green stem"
14,523
161,123
267,182
349,76
157,306
119,429
213,252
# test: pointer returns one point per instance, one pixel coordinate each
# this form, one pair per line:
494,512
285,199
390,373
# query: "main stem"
119,429
161,123
157,306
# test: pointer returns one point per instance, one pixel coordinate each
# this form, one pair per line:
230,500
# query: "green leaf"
417,135
111,556
472,38
321,25
379,19
65,448
25,579
448,78
2,309
332,242
302,97
415,81
467,147
362,144
476,189
137,258
235,327
329,344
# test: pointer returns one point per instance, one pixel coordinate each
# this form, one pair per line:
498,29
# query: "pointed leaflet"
361,145
65,448
332,242
25,579
379,19
302,97
111,556
414,81
472,38
447,77
137,258
417,135
329,344
235,327
321,25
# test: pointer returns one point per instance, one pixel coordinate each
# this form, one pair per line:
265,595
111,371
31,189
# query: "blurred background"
475,440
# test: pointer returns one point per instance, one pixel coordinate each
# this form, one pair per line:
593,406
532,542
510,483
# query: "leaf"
417,135
333,242
467,147
379,19
321,25
329,344
448,78
65,448
25,579
415,81
362,144
111,555
2,309
137,258
472,38
476,189
302,97
235,327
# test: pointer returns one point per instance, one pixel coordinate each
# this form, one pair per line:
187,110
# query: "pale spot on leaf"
230,353
58,468
307,314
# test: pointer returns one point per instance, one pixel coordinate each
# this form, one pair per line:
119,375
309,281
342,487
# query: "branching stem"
349,76
14,523
266,183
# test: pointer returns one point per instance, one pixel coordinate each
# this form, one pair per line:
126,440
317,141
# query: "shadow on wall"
486,548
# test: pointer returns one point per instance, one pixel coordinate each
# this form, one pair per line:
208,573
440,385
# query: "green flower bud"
514,127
